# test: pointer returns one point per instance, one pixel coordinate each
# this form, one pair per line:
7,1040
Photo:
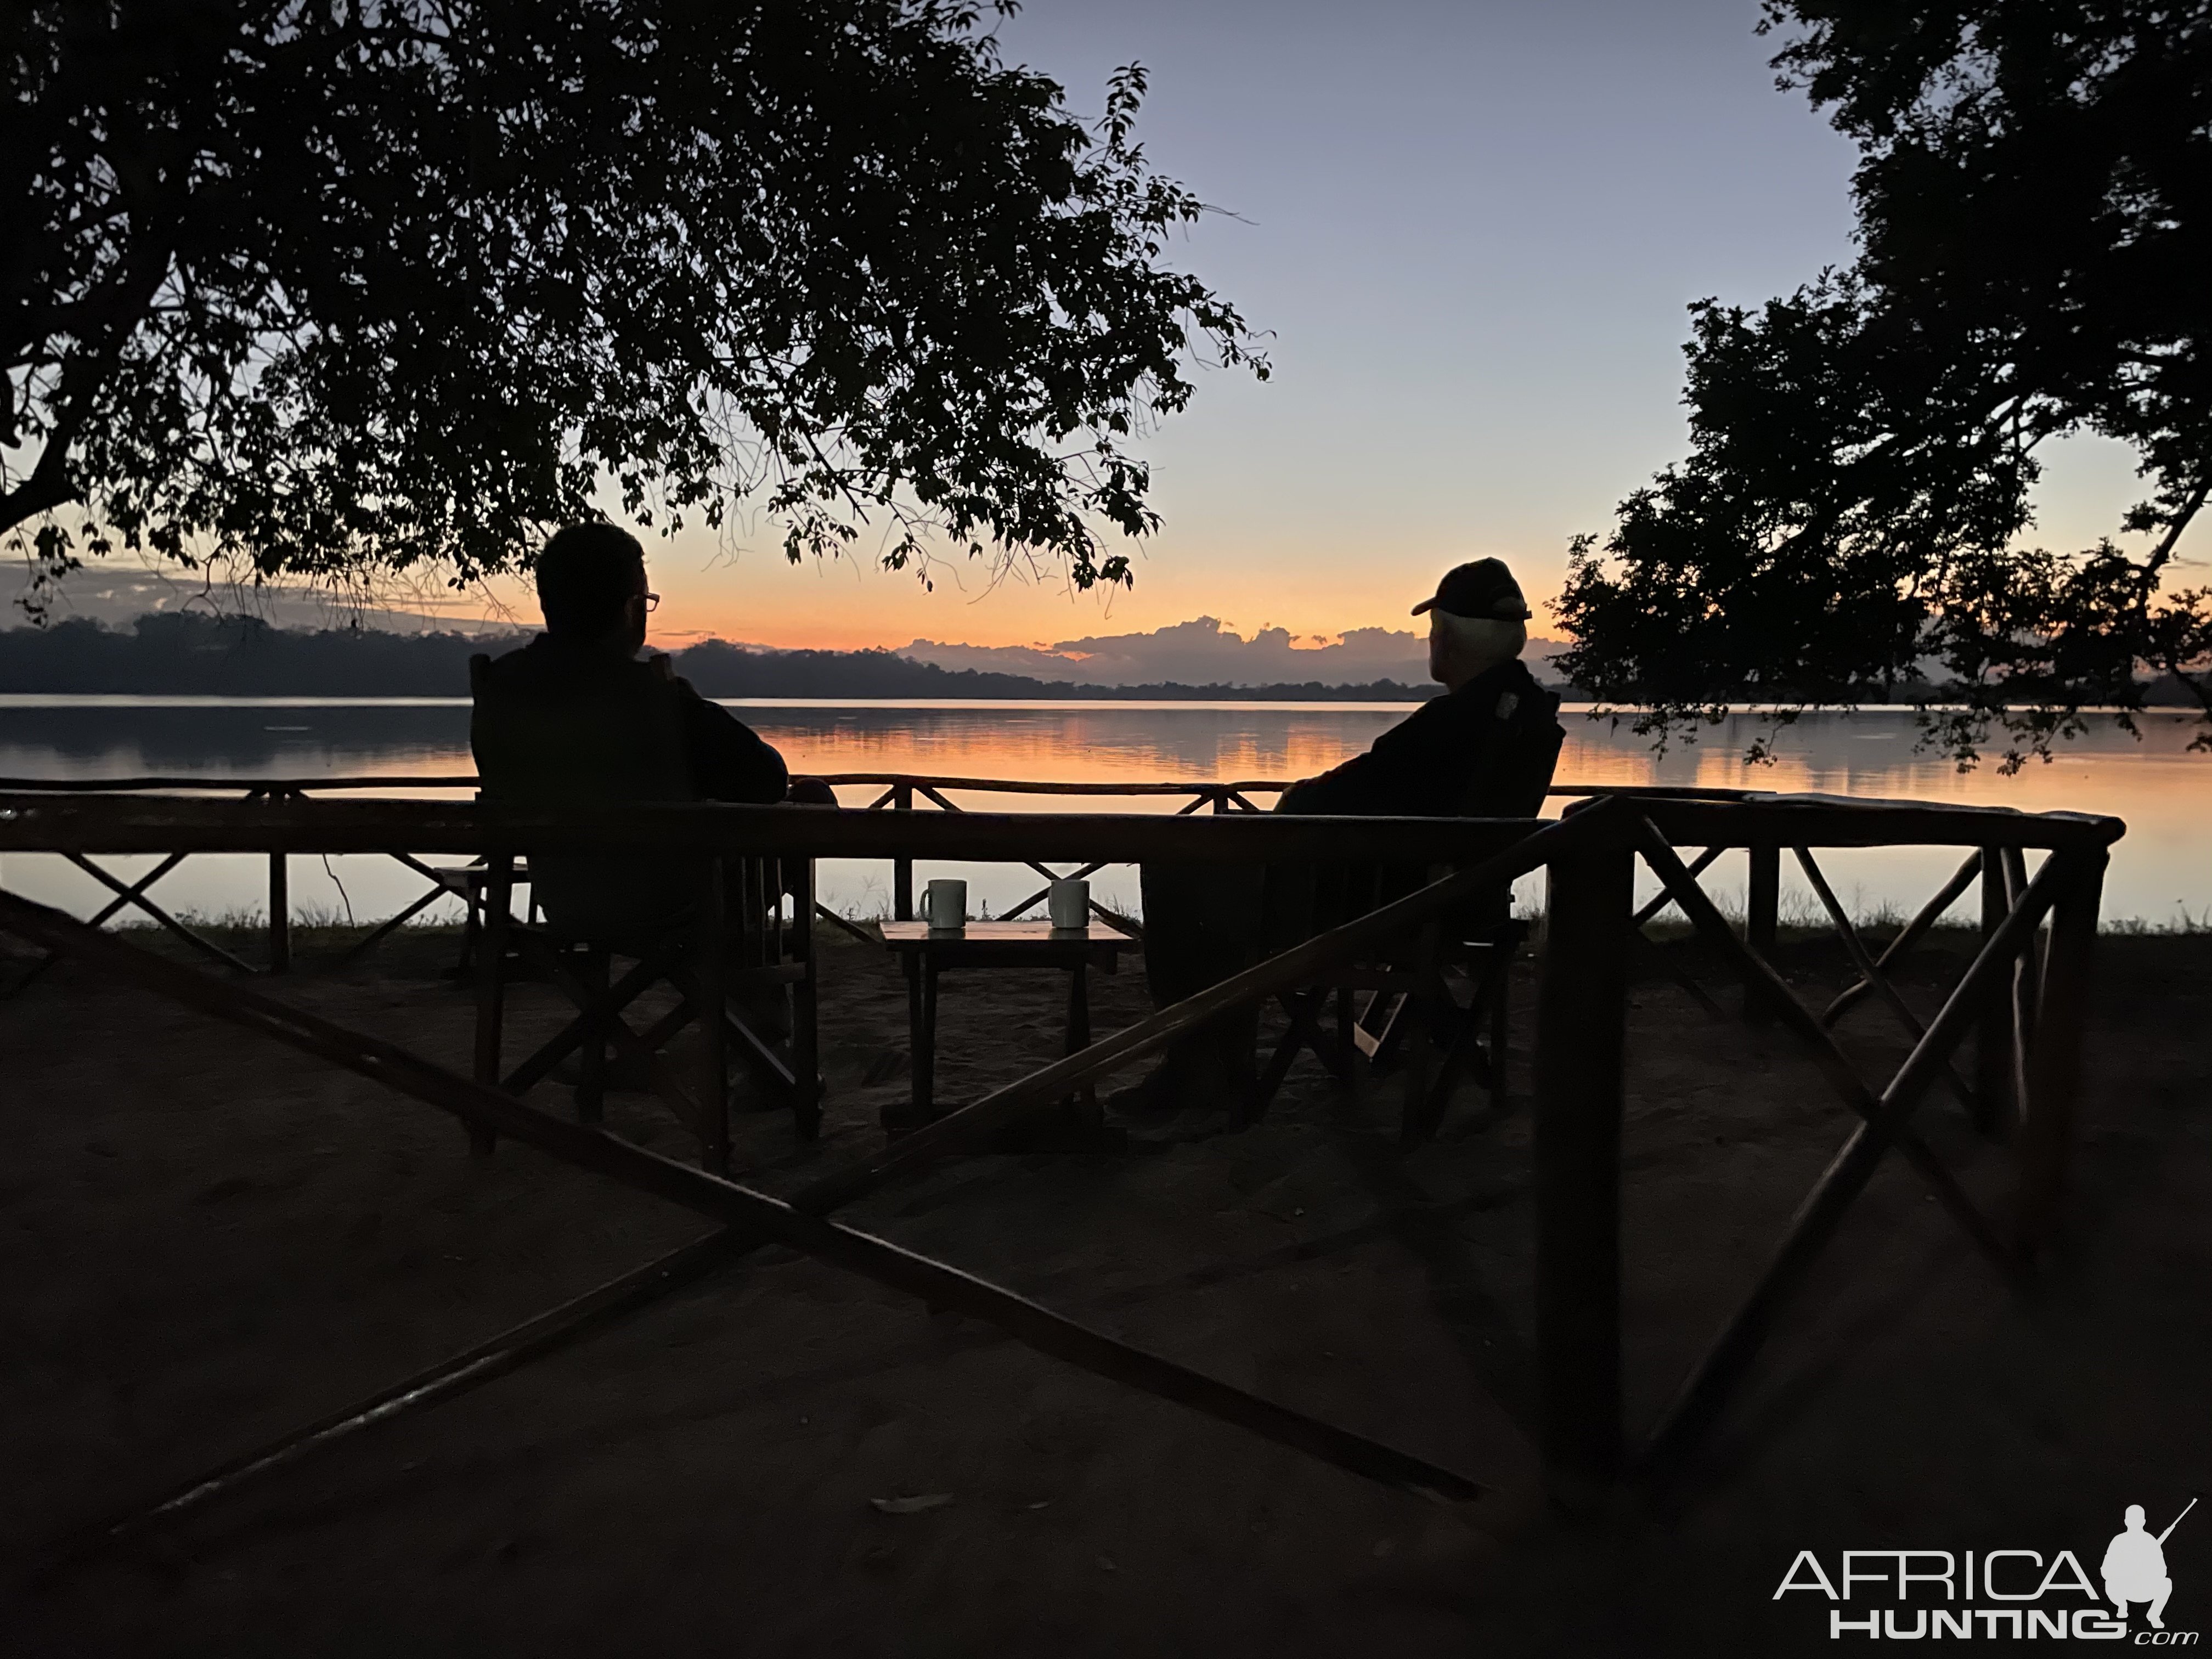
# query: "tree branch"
50,483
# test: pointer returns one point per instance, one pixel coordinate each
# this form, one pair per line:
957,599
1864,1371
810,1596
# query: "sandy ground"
211,1239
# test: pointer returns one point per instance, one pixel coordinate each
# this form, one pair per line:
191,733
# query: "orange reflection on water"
2162,868
1077,743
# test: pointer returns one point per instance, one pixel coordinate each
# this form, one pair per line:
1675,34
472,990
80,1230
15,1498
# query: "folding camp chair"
742,965
1436,1006
733,936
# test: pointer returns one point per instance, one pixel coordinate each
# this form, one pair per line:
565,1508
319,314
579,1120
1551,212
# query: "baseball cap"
1483,589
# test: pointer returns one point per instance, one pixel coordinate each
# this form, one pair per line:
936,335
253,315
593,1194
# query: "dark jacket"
558,727
1485,751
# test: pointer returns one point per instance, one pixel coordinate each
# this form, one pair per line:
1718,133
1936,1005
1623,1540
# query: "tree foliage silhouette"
2034,204
345,286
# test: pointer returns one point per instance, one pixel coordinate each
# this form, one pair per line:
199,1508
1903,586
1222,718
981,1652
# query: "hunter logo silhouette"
2135,1566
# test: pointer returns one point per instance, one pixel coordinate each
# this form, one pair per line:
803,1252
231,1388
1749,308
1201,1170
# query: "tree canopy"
2034,212
343,286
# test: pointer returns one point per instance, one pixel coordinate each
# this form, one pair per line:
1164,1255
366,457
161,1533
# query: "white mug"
1069,903
944,903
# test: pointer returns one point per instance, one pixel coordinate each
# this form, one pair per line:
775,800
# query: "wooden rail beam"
1847,821
82,825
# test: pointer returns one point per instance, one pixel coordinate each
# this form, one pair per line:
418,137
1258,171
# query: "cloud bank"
1205,650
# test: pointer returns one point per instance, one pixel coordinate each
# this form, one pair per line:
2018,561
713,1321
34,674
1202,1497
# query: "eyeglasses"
652,603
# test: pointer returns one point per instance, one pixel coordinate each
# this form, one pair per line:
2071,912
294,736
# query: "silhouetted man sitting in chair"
575,719
1485,749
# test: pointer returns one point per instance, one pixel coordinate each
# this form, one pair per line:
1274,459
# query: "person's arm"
729,761
1396,776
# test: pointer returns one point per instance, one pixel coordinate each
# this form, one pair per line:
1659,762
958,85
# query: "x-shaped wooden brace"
134,895
1925,918
1084,873
602,1007
130,896
444,883
1871,975
1884,1120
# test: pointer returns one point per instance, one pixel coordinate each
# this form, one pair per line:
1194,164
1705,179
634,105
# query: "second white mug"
944,903
1068,902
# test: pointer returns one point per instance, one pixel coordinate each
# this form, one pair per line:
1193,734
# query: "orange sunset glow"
757,596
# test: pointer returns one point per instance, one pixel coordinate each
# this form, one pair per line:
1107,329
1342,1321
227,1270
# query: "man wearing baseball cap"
1485,749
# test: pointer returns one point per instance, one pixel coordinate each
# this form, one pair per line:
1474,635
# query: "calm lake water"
2161,871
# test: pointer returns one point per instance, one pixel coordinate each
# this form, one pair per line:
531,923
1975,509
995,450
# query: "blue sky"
1472,230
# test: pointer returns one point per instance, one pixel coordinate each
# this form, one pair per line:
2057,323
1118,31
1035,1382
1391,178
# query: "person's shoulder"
504,669
531,650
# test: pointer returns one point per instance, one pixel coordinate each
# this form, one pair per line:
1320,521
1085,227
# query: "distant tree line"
192,654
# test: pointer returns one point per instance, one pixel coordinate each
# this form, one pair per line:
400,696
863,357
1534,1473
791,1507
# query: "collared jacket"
1485,751
559,726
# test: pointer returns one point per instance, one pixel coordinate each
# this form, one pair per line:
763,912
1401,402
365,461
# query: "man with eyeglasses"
575,718
576,714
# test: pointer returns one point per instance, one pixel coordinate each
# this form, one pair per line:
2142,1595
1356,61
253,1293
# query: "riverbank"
215,1239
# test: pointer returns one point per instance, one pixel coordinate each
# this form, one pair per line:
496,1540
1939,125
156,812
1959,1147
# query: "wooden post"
806,1030
1762,916
902,869
1993,1056
497,896
280,915
2054,1067
1581,1019
2027,983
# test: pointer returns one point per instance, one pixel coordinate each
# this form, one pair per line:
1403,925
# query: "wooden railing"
900,791
2031,975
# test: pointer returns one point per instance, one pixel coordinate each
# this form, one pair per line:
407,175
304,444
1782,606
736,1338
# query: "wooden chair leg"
1417,1017
491,988
1498,988
1300,1005
1462,1056
1348,1043
714,1127
591,1058
805,1032
472,898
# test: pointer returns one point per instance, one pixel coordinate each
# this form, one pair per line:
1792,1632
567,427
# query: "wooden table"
928,952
